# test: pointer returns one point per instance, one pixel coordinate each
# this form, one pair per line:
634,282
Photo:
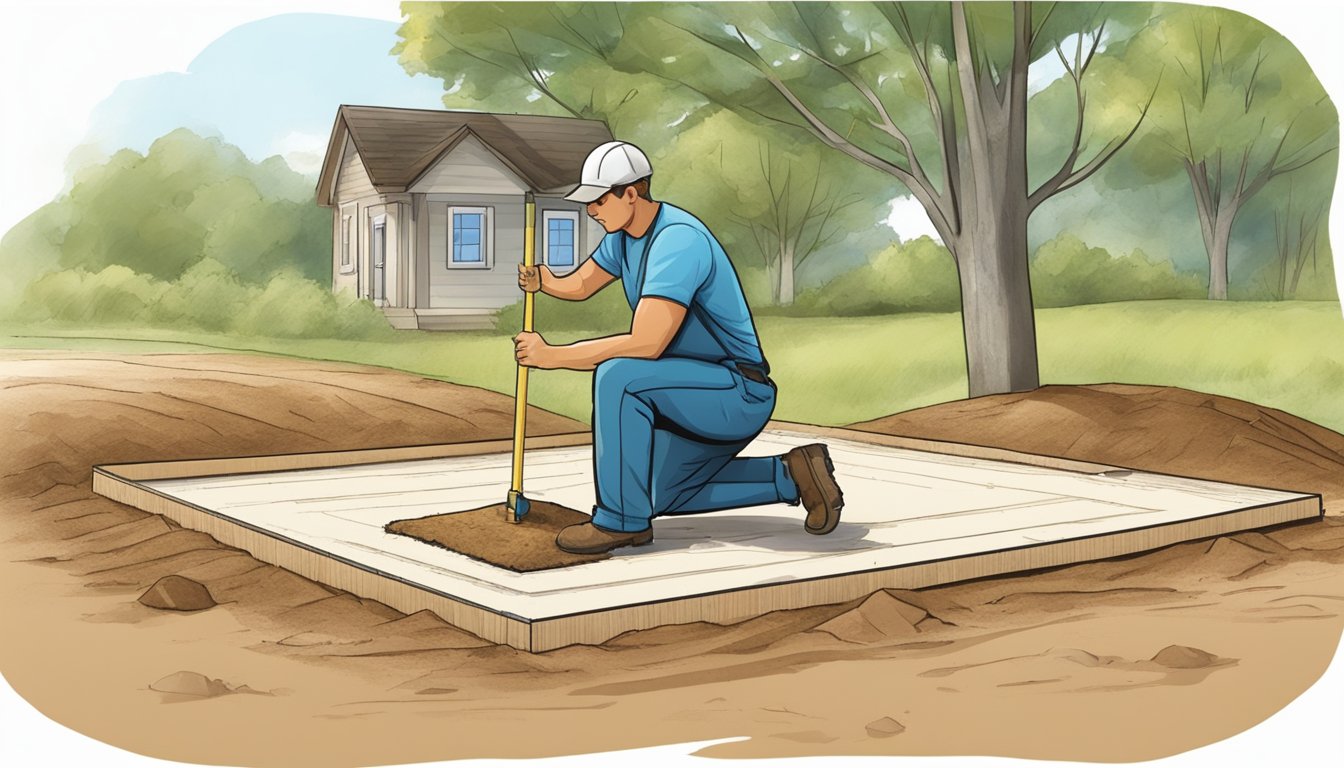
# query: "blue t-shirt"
679,260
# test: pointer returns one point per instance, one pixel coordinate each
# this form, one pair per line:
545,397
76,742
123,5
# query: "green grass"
1287,355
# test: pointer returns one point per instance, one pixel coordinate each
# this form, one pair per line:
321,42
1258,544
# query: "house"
427,207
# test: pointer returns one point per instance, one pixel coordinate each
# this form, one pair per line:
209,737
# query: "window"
469,237
347,236
560,247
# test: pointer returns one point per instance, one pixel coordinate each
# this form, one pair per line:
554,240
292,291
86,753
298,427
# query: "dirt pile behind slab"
1162,429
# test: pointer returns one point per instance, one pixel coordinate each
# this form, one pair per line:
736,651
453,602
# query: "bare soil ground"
1126,659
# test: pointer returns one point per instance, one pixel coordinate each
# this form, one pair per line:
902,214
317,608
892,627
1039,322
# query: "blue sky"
269,86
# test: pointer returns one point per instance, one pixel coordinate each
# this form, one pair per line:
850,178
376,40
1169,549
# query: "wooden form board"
918,513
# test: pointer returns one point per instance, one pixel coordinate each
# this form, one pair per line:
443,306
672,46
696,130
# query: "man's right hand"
529,278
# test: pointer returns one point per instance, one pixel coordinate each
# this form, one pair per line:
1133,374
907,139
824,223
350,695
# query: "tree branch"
949,202
920,188
538,79
1076,177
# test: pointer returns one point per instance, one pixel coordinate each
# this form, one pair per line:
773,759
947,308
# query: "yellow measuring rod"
517,505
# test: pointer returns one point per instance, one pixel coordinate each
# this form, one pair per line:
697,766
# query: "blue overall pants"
666,434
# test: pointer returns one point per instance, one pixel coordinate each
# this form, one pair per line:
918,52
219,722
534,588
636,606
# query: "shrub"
113,296
1066,272
209,296
292,306
914,276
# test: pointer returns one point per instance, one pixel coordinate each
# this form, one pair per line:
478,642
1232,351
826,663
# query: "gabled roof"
398,145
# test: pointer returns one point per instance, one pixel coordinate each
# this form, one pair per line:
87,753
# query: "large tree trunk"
997,319
785,294
991,248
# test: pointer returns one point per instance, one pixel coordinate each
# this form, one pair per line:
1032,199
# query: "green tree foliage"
1239,108
569,59
186,199
190,236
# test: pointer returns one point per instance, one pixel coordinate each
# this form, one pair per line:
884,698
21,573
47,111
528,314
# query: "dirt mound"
1162,429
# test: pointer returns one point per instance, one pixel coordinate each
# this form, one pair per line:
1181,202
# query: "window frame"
348,237
487,237
546,218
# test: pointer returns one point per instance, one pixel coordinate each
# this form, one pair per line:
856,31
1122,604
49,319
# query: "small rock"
192,684
881,729
178,593
1184,657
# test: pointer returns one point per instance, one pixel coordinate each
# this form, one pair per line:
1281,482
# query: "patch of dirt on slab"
485,534
1233,628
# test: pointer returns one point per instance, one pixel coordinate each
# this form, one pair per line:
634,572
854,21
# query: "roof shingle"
398,145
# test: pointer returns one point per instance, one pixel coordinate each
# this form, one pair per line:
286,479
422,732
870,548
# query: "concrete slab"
912,518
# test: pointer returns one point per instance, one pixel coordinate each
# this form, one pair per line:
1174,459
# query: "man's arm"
578,285
655,324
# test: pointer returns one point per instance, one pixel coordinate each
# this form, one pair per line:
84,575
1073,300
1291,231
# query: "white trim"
347,253
546,218
487,238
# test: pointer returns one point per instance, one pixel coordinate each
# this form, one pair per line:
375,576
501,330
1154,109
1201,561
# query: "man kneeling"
679,396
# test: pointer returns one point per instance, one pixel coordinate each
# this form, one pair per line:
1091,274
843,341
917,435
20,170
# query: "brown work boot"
812,471
588,539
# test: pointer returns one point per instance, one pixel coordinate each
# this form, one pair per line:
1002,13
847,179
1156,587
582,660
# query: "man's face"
614,212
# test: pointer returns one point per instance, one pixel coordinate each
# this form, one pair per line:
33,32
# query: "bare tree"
1242,109
1295,246
798,220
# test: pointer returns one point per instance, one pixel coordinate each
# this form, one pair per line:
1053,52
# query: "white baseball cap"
610,165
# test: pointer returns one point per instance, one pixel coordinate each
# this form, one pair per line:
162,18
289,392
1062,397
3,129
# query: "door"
379,256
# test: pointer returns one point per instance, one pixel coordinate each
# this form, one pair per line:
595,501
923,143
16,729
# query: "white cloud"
303,151
910,220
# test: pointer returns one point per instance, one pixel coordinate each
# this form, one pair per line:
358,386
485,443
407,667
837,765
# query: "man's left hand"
531,350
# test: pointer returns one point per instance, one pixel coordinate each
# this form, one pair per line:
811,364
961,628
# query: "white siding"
486,289
352,182
593,234
476,288
470,169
